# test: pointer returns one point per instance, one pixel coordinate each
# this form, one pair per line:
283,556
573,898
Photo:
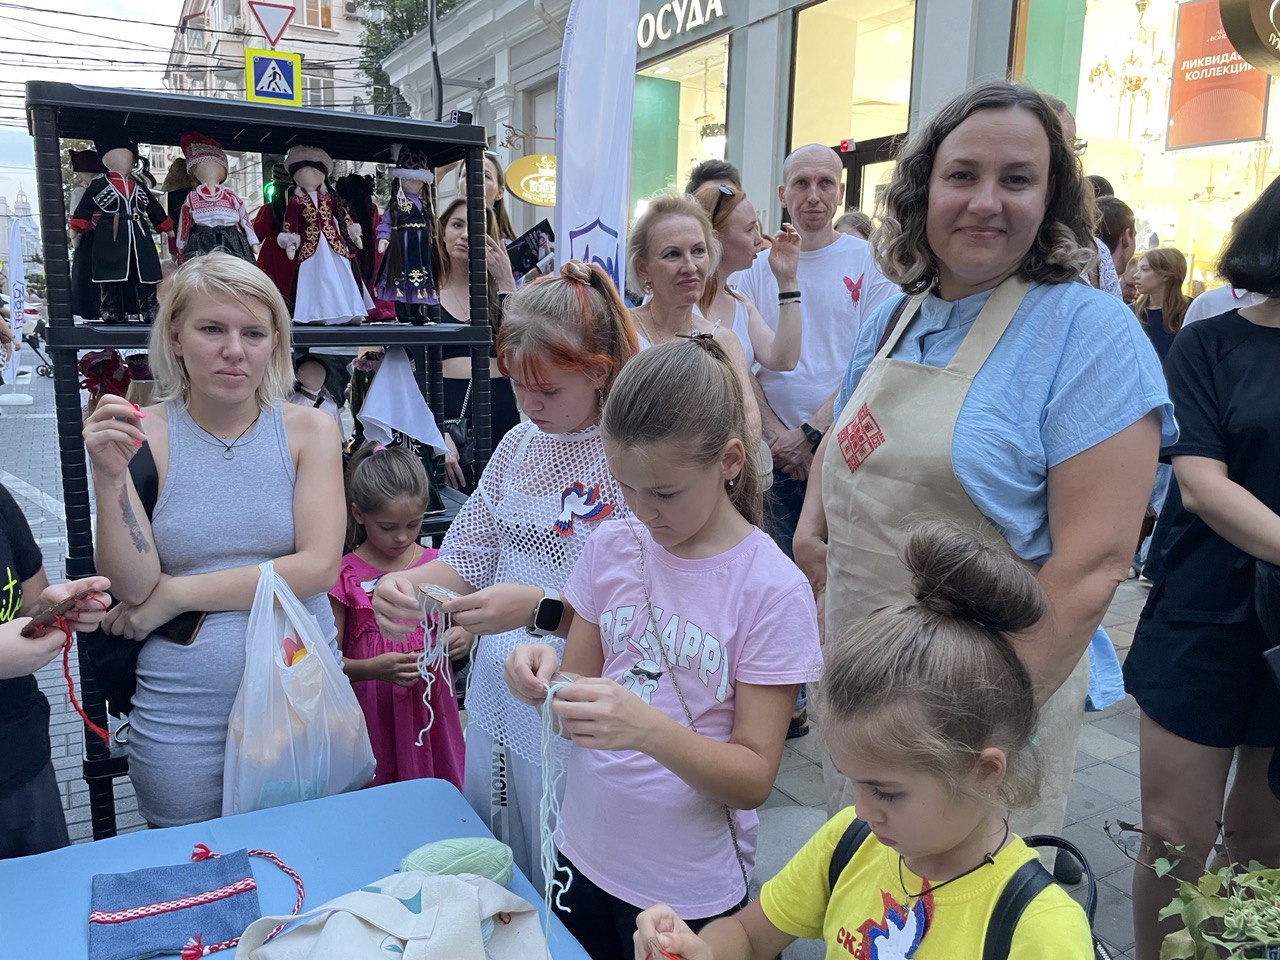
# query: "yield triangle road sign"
273,18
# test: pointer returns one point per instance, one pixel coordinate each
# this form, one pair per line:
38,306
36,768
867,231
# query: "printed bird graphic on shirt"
579,502
898,935
642,679
854,287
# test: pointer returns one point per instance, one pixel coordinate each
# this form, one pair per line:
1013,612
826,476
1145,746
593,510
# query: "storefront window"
1183,129
852,71
679,118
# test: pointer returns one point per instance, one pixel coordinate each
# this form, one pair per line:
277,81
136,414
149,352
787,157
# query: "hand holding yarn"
529,670
87,614
496,609
395,607
601,714
661,934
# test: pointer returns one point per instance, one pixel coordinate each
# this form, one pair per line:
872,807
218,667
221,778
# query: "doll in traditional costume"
407,239
269,222
320,235
85,164
121,210
213,217
356,192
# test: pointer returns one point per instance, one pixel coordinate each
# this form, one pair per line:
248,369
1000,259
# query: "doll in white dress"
321,236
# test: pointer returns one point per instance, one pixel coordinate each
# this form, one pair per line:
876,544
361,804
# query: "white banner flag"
15,270
593,133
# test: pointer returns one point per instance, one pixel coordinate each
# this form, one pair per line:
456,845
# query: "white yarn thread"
553,772
434,658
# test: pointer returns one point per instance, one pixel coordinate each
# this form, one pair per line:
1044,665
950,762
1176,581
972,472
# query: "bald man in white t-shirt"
839,286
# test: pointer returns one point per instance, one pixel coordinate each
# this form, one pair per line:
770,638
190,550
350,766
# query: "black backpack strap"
1024,886
1091,882
854,836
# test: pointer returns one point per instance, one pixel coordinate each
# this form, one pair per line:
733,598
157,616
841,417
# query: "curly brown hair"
1063,248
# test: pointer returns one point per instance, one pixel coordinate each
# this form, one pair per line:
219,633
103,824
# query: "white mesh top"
538,501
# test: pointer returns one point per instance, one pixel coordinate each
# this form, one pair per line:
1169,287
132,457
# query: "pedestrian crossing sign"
272,76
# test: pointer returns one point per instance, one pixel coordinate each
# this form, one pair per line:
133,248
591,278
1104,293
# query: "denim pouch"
190,909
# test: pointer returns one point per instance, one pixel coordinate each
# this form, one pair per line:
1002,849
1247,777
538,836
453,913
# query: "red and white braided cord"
169,906
195,948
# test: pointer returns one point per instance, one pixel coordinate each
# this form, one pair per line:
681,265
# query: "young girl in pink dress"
386,495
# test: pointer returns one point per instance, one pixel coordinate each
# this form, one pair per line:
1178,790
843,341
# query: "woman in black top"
1196,666
31,818
455,307
1161,304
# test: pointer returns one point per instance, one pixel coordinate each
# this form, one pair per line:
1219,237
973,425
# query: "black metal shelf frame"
58,110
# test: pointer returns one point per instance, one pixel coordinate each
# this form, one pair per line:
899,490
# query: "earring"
648,286
731,483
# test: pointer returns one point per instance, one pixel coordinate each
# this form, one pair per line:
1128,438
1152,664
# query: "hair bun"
576,270
956,574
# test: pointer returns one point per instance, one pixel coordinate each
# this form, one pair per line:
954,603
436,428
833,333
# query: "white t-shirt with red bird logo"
839,286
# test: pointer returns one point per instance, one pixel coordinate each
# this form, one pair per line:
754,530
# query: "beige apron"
889,460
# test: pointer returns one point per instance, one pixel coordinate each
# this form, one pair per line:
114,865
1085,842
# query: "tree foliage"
393,23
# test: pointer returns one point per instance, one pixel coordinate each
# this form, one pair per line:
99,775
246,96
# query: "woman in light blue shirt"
1003,394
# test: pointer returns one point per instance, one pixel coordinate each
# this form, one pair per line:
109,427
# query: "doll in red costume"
212,217
320,235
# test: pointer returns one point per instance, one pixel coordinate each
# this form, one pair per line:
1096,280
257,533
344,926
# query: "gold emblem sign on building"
532,178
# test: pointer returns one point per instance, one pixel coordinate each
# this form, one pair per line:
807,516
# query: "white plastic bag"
296,731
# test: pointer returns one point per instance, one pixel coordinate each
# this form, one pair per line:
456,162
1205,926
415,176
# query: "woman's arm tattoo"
140,542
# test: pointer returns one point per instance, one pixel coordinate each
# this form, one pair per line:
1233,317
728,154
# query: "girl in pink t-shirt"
691,633
386,495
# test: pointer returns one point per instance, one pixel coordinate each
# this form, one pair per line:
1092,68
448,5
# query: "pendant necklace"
988,860
227,448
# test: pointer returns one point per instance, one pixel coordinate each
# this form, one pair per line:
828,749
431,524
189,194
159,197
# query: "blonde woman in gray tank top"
243,478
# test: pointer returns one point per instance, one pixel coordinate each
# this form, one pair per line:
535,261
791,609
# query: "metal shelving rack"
57,110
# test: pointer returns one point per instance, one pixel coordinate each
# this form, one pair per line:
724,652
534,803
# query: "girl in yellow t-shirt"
928,710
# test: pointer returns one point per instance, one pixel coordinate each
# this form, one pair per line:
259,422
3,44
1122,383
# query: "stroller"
34,339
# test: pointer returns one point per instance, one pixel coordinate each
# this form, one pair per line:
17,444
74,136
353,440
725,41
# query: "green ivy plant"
1229,913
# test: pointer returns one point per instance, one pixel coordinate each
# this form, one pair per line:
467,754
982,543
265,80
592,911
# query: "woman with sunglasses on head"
733,219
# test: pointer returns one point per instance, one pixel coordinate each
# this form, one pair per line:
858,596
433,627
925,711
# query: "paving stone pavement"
1105,788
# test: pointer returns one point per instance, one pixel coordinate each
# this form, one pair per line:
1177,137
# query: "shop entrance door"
867,169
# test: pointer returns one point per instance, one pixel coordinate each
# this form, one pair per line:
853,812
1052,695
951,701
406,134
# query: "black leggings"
601,922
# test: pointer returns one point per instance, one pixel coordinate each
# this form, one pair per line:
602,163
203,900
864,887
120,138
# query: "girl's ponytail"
687,392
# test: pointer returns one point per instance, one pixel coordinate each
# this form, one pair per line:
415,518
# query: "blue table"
336,845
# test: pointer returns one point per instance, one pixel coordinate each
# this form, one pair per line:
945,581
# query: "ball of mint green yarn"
479,855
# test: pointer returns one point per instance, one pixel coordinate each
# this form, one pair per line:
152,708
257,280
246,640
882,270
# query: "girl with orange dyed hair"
508,554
